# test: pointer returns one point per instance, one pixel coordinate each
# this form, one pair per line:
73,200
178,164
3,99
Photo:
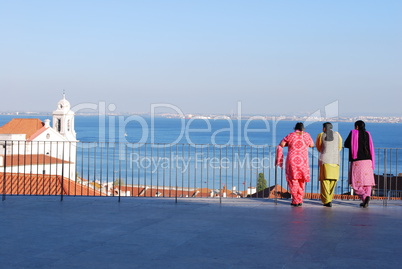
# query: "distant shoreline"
372,119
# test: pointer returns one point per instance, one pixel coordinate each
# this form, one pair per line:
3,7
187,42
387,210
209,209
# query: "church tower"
63,120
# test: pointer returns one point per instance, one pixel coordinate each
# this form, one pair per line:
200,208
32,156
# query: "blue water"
256,132
136,129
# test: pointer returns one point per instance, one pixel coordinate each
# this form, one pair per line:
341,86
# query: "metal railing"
168,170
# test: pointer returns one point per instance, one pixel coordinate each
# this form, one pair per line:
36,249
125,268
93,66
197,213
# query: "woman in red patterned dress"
297,165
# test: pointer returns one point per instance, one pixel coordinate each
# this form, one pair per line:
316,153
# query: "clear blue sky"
203,56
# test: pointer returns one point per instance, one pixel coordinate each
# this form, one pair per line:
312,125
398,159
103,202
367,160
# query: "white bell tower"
63,120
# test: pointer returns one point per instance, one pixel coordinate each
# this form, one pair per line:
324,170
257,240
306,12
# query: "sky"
203,56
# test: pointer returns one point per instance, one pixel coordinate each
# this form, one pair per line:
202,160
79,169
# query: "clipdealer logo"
112,130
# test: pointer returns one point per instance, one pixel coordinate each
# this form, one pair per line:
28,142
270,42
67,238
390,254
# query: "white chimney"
47,123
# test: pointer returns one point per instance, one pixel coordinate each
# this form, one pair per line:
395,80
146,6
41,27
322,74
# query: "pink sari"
361,176
297,166
361,173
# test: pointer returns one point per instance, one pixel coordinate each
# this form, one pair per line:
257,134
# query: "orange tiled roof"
22,126
37,133
27,184
34,159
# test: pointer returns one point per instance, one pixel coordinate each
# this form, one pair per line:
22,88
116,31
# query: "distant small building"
275,191
388,184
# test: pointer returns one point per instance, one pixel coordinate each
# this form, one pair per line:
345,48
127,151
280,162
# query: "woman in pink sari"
297,166
361,158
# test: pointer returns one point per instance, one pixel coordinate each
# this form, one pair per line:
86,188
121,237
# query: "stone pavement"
95,232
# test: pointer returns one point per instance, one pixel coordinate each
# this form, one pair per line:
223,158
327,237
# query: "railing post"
276,179
4,172
276,184
220,174
385,171
396,168
118,155
62,173
312,173
176,173
385,176
343,170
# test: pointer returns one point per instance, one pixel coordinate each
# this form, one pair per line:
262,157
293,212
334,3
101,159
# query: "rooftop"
100,232
31,159
34,184
22,126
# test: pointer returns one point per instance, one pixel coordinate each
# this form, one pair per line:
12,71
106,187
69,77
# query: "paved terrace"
94,232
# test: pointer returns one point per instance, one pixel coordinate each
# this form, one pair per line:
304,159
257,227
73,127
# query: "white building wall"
21,137
61,150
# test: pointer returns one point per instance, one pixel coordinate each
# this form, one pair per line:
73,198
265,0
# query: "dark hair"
361,127
328,131
299,126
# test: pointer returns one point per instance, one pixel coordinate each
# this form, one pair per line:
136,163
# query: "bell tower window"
58,126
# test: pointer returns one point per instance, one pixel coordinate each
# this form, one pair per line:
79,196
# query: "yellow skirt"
329,171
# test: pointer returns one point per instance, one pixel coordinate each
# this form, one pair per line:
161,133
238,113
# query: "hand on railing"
279,156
